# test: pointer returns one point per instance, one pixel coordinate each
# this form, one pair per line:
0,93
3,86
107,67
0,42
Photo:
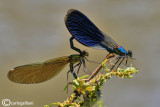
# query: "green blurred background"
34,31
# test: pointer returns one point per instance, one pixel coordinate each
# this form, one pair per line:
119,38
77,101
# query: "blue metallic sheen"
122,50
85,32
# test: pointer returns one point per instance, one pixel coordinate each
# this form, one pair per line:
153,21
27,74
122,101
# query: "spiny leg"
111,61
68,73
80,63
120,63
115,63
91,61
72,45
72,70
67,77
84,66
127,60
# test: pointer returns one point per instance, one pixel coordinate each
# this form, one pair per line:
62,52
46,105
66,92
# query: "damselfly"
85,32
43,71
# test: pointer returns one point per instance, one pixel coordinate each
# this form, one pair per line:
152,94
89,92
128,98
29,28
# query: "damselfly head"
129,53
85,53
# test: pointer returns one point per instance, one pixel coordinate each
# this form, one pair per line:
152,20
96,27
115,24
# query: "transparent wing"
38,72
110,43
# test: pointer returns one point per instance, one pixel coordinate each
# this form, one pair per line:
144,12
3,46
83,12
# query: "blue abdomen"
120,51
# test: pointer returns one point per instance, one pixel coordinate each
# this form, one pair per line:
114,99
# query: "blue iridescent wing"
86,32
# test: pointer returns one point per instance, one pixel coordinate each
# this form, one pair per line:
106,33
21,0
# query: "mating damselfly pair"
85,32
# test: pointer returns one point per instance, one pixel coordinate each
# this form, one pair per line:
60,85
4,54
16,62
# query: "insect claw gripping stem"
110,55
72,71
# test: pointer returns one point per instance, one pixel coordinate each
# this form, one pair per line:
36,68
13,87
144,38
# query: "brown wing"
38,72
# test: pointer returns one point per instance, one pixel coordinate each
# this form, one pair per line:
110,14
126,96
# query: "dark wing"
82,28
38,72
